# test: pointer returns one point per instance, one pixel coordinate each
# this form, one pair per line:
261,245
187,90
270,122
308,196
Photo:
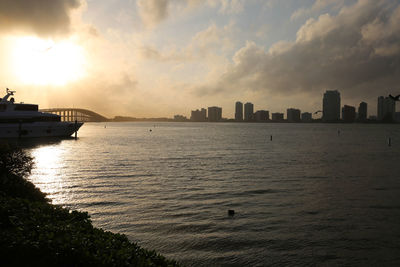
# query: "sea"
302,194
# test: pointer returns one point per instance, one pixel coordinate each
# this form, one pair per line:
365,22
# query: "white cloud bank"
356,51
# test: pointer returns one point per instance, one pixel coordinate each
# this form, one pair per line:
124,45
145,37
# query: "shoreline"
36,232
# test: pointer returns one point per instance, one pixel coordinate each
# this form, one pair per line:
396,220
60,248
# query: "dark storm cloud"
357,51
43,17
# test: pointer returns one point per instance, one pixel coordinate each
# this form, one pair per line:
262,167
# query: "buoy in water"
231,212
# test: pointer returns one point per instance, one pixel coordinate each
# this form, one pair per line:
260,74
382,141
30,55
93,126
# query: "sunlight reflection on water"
49,167
308,197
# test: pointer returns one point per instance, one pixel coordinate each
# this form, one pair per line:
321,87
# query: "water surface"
310,196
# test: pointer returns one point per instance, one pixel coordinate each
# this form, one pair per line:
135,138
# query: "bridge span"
78,114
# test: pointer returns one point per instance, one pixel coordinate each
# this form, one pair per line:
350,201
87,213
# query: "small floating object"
231,212
390,141
150,130
271,137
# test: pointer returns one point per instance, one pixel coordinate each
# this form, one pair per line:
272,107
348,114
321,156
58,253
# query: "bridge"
79,114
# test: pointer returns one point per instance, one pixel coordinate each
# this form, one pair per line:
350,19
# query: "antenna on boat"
10,92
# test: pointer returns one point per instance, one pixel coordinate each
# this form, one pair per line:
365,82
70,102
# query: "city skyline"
332,111
152,58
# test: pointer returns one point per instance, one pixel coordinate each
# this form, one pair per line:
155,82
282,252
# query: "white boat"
20,120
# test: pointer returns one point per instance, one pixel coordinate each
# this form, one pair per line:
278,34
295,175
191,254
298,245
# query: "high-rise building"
239,111
248,111
381,100
277,116
348,113
331,106
397,116
293,115
306,117
199,115
362,111
214,114
386,109
261,115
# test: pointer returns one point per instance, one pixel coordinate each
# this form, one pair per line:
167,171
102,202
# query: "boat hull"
38,129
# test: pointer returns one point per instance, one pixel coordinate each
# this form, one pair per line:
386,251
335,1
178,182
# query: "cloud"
42,17
153,12
212,40
356,51
317,7
231,6
121,92
172,55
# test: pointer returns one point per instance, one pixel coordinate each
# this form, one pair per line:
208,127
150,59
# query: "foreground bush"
34,232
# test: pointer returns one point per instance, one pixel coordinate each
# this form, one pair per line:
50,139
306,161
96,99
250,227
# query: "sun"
46,62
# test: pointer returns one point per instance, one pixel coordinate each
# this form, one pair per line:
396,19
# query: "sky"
158,58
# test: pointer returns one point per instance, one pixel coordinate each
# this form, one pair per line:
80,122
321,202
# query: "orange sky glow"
158,58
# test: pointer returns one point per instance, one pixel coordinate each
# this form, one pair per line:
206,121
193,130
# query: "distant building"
199,115
248,111
331,106
362,111
306,117
293,115
276,117
239,111
214,114
261,115
180,118
379,113
386,109
397,116
348,113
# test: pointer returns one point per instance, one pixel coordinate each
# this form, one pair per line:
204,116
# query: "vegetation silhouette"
33,232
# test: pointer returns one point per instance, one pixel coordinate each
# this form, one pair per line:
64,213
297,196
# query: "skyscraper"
277,116
381,100
239,111
306,117
248,111
386,109
348,113
199,115
261,115
362,111
214,114
293,115
331,106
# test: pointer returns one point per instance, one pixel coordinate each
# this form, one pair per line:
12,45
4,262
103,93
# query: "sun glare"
45,62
